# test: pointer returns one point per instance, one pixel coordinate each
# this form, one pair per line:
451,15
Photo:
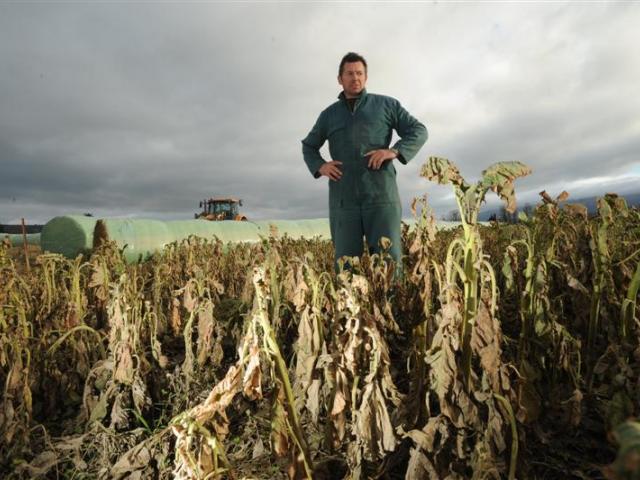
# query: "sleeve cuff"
399,155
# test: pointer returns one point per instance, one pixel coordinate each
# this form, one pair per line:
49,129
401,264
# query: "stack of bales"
73,235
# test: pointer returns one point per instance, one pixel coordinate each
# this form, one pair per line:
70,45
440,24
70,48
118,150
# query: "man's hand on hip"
331,169
378,157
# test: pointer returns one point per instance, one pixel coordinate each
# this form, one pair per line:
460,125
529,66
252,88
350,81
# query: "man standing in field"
363,195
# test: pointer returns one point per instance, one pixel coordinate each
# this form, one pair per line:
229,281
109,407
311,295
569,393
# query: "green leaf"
99,411
522,216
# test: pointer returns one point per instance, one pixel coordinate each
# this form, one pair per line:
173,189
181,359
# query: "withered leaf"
279,435
252,380
574,283
134,459
189,298
206,326
425,438
500,176
442,171
577,210
40,465
124,368
119,417
139,394
420,467
176,321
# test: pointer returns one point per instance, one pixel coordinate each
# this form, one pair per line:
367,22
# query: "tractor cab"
216,209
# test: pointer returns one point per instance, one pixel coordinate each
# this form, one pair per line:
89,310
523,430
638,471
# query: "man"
363,195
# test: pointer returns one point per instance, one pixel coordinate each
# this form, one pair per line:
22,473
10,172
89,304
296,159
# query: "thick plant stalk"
499,178
628,310
470,282
261,317
514,436
528,303
473,315
52,349
600,253
609,207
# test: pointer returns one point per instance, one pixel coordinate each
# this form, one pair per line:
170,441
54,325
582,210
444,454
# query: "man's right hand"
331,169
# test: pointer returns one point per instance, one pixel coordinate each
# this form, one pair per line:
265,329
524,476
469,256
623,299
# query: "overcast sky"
143,109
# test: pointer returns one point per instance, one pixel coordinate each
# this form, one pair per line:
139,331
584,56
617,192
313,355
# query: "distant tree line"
503,216
500,215
13,229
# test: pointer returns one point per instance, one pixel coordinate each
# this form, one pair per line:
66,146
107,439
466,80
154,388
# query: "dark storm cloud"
145,109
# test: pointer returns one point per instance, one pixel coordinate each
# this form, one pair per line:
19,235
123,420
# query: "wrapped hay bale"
141,238
69,235
317,227
17,240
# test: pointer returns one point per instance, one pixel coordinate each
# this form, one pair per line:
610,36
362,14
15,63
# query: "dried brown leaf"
373,424
124,368
420,467
574,283
39,466
119,418
442,171
252,380
499,177
141,399
279,435
486,338
577,210
206,327
176,321
220,396
189,296
425,438
136,458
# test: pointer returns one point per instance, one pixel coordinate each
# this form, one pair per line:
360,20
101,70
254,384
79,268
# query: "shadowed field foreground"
506,351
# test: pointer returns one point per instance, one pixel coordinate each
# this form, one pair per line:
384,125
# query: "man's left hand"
378,157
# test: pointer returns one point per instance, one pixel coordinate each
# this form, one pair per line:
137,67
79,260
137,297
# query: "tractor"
216,209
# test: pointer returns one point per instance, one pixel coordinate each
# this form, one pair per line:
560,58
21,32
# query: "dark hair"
352,57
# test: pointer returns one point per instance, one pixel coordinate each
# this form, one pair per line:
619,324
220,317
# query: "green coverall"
364,202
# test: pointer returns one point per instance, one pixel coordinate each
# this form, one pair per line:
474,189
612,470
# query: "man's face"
353,79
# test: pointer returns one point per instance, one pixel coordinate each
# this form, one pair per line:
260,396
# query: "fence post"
24,244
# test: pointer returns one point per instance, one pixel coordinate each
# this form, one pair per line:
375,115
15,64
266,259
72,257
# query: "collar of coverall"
363,94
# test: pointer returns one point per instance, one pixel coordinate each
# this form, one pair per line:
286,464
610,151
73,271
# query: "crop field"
495,351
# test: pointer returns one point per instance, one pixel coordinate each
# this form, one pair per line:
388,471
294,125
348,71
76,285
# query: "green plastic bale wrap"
225,230
318,227
141,238
17,240
69,235
74,234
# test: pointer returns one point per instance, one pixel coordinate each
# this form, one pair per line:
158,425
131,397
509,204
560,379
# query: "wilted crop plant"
467,325
548,356
180,366
609,206
465,260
